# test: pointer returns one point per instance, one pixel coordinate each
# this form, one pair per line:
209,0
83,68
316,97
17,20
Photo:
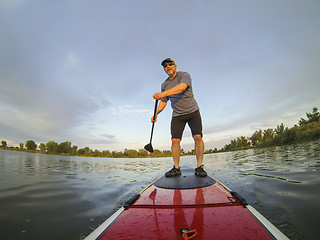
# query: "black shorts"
178,124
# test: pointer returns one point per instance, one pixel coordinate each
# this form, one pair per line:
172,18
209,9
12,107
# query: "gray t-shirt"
183,103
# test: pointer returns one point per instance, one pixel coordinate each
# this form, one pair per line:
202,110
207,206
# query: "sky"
85,71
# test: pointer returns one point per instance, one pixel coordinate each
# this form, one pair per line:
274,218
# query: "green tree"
87,151
167,153
143,152
42,147
52,147
233,144
74,150
208,151
280,129
311,117
183,152
131,153
81,151
31,145
96,153
3,143
268,134
64,147
157,153
106,153
21,146
289,136
256,137
116,154
242,142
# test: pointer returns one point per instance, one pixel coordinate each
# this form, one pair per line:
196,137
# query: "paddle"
149,147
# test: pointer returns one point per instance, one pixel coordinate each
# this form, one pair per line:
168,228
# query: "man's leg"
177,126
199,148
175,148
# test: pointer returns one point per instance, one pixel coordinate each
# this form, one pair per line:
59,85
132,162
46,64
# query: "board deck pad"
187,180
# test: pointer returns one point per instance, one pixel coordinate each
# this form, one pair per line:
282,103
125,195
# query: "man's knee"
197,138
175,141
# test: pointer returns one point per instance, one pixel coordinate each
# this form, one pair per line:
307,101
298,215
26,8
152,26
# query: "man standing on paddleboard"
178,89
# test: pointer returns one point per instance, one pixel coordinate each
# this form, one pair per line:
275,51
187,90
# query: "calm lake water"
56,197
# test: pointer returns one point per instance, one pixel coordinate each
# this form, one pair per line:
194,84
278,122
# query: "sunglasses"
168,64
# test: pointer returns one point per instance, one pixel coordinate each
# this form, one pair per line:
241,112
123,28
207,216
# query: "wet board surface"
171,204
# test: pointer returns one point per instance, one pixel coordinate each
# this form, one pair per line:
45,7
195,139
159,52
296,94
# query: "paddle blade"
149,148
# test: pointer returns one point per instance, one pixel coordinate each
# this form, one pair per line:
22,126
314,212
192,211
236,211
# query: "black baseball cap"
167,60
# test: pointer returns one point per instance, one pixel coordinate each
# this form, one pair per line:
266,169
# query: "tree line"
67,149
307,129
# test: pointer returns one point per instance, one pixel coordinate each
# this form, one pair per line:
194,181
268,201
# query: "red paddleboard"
187,207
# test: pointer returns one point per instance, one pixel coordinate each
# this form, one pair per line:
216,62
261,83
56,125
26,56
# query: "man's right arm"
173,91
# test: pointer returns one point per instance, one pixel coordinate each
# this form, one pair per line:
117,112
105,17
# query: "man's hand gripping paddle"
149,147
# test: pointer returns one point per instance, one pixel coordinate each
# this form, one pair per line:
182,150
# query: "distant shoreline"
307,130
291,136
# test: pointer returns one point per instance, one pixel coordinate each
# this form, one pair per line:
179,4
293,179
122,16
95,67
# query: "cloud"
90,73
31,106
127,109
108,136
94,141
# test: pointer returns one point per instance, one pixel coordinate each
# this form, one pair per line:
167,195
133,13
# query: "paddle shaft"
154,117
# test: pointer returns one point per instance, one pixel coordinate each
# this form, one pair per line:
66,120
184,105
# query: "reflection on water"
73,195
